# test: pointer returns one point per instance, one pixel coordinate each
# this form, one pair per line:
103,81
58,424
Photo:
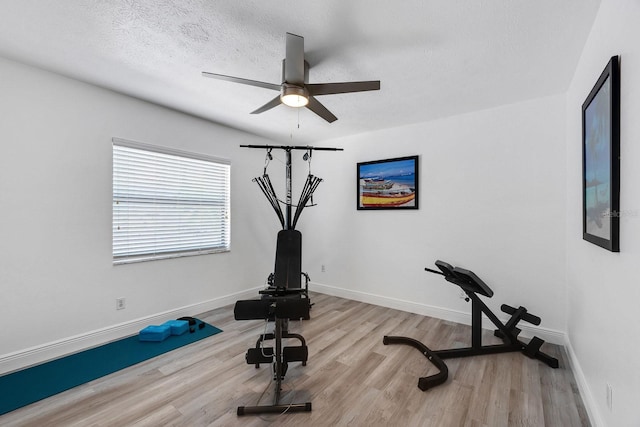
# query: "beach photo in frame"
388,184
601,160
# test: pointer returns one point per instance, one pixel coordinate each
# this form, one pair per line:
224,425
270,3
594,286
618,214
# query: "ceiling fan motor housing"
293,79
293,92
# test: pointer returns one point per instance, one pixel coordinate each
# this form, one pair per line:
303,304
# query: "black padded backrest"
446,269
288,269
468,281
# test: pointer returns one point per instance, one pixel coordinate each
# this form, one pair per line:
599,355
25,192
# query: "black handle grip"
433,271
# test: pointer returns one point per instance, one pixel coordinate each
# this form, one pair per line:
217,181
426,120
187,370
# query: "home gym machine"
472,286
284,298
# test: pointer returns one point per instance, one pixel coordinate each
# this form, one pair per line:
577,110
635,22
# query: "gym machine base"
472,285
279,307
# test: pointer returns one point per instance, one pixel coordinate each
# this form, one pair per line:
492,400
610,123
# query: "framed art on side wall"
388,184
601,160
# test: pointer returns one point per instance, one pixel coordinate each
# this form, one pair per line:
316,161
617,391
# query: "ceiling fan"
295,89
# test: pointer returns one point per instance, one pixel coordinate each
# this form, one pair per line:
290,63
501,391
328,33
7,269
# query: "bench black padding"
259,355
281,308
288,268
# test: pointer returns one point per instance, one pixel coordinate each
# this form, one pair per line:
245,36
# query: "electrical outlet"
609,397
120,303
323,268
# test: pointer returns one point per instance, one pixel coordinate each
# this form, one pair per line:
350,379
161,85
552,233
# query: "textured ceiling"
434,58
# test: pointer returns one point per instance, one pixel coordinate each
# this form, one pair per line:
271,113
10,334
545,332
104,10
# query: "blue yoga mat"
24,387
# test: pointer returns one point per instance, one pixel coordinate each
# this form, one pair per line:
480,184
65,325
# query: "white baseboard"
528,331
585,391
32,356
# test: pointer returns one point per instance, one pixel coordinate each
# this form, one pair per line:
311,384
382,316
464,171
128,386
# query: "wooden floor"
351,378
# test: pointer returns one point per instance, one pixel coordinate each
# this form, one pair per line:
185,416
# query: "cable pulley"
288,220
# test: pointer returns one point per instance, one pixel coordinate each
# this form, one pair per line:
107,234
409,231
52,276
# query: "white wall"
57,280
603,326
492,200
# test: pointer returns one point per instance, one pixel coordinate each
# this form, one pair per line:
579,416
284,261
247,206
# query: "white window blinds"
168,203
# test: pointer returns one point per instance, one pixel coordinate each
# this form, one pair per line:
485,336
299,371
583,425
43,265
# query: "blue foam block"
155,333
178,327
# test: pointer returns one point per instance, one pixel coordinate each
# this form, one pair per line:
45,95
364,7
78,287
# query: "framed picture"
388,184
601,160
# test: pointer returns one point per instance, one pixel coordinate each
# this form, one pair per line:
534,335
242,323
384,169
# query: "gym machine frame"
472,285
281,302
278,308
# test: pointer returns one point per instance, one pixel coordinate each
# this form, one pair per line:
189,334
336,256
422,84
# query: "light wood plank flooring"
352,379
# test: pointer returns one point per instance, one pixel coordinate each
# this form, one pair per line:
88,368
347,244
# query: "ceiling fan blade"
315,106
346,87
294,60
269,105
242,81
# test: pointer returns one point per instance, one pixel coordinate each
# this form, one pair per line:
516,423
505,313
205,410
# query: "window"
167,203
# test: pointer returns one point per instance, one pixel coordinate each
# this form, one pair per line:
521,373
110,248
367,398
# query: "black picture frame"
388,184
601,160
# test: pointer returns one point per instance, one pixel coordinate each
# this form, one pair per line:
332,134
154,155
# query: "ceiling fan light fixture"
294,96
295,89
